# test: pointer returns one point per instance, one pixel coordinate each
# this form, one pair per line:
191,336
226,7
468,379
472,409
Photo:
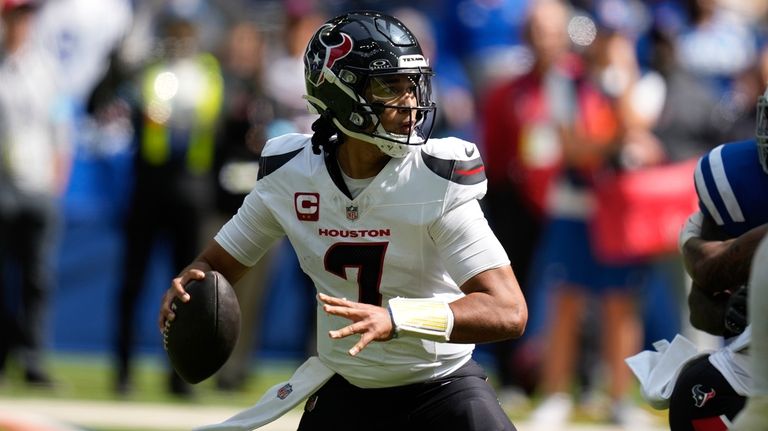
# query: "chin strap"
427,318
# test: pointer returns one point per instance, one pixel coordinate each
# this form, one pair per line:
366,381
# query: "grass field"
89,380
84,397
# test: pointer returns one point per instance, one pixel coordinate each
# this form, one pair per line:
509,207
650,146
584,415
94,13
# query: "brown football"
201,337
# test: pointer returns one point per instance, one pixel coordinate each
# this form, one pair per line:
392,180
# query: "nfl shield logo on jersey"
352,212
284,391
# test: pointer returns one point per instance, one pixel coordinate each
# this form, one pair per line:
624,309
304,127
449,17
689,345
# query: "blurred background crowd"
131,130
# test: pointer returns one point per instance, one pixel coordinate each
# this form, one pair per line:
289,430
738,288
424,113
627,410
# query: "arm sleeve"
250,232
466,243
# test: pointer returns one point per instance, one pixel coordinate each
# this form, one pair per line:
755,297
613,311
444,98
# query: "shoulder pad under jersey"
455,160
279,150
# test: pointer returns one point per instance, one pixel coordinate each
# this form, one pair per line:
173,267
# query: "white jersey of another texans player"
732,186
415,231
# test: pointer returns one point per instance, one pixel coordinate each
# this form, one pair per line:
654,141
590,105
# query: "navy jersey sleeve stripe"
269,164
465,172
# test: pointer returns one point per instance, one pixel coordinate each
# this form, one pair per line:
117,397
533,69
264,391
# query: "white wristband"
691,229
427,318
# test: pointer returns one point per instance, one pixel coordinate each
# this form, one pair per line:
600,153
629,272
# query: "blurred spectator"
523,155
80,34
718,45
484,36
676,104
246,117
574,124
179,98
284,78
34,169
451,84
736,115
751,10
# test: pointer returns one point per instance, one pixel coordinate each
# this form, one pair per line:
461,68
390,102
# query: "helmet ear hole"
347,77
363,119
357,119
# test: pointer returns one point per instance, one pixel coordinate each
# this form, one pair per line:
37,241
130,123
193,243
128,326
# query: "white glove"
754,416
691,228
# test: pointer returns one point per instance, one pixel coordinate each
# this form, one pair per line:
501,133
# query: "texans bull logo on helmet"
334,50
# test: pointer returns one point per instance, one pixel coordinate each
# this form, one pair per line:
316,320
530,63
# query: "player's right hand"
371,322
176,291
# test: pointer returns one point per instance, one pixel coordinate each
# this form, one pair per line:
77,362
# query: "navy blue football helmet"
360,63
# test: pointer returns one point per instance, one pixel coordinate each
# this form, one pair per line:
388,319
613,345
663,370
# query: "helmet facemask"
410,95
761,132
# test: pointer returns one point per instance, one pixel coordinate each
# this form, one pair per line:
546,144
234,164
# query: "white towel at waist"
658,370
279,399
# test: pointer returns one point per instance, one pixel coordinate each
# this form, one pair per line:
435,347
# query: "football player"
718,244
387,224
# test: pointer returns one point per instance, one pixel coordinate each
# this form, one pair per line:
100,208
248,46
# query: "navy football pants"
462,401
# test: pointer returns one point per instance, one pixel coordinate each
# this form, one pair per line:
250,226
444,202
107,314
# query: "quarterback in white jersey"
415,231
387,224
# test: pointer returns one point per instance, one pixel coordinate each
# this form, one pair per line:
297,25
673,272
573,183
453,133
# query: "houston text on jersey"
356,233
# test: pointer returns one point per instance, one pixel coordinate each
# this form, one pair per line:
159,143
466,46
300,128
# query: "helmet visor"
396,90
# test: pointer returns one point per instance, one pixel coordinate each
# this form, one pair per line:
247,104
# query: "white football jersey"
416,231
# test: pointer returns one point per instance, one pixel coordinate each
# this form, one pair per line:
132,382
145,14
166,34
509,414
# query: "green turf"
92,377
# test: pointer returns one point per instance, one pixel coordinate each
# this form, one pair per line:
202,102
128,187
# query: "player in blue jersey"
387,224
718,243
705,391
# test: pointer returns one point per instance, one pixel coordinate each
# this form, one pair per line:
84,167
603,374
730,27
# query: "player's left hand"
371,322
